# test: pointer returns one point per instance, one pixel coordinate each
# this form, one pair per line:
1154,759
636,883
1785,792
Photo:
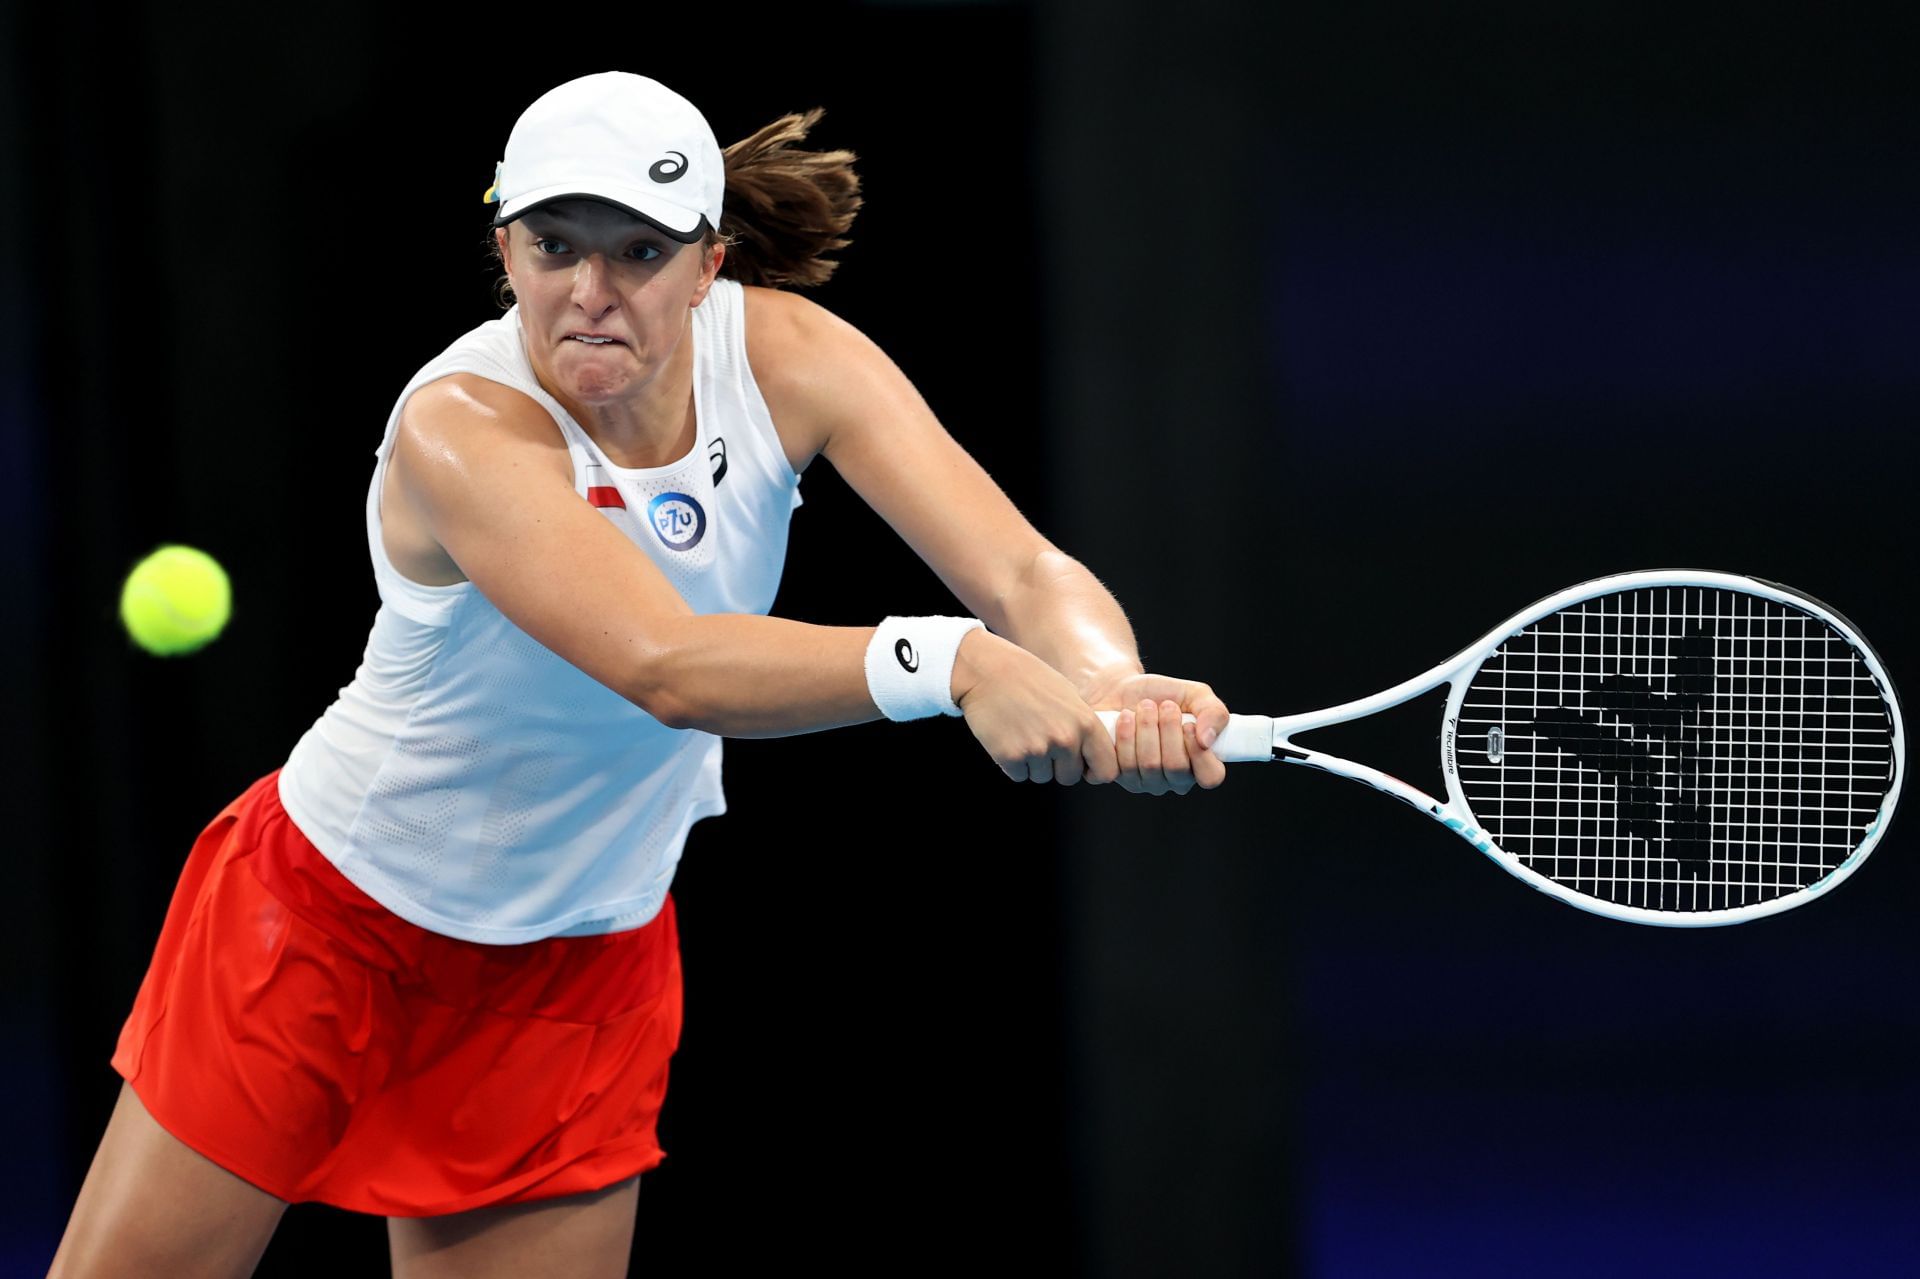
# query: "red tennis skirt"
305,1038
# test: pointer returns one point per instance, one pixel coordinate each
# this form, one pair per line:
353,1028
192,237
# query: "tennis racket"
1680,748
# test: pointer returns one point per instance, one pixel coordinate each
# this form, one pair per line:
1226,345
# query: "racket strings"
1677,748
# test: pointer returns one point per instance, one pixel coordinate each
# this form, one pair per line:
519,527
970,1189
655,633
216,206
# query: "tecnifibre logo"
666,170
1644,734
678,520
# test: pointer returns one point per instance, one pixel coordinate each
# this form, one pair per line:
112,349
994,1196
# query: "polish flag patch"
599,492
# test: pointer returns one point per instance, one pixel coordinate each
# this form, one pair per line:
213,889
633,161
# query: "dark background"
1326,335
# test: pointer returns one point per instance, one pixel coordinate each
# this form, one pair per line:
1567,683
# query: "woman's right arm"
482,467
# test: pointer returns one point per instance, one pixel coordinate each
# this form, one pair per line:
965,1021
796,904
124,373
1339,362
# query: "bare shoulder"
807,361
780,320
463,410
461,439
457,422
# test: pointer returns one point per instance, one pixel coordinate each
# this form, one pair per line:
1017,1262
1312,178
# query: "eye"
643,252
549,245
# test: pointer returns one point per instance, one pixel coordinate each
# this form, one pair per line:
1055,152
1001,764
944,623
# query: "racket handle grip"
1248,739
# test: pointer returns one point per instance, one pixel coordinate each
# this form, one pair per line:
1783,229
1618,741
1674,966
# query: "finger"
1015,769
1208,770
1101,762
1126,752
1147,749
1208,711
1066,765
1039,768
1173,749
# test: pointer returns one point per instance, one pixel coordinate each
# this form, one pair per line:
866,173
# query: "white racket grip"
1248,739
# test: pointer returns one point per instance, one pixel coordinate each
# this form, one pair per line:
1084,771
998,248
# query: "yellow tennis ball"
175,601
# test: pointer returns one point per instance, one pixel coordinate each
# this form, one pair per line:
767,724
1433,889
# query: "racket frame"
1456,814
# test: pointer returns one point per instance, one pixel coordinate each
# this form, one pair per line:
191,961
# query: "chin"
600,390
597,385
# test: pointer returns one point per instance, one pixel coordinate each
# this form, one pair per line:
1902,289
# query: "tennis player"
428,968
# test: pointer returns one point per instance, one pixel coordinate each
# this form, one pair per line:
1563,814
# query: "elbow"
659,688
669,711
660,700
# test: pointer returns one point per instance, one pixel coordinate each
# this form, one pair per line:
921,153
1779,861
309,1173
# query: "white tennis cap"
621,139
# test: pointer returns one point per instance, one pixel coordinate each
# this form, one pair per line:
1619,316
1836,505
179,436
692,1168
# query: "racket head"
1675,747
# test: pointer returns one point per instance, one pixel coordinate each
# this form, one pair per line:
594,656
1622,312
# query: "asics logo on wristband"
907,658
667,170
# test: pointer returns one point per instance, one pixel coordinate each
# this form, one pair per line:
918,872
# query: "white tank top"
474,783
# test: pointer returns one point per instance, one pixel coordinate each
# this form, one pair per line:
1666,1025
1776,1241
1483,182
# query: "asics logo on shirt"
904,654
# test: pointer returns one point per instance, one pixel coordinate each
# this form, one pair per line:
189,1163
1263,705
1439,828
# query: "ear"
505,242
709,271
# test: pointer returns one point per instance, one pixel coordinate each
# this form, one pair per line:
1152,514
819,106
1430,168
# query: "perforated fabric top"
1682,749
475,783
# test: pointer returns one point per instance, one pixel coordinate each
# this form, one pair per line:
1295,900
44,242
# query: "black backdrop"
1326,337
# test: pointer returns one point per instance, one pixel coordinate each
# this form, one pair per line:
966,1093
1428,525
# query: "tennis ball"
175,601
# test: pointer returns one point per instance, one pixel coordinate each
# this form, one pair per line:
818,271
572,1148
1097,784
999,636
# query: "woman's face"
604,297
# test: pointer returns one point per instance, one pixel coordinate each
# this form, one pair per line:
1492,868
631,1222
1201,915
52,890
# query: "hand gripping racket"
1681,748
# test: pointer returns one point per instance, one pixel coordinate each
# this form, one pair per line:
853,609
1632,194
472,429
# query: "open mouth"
594,340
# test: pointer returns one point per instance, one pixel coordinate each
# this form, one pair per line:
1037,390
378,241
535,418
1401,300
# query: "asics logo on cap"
904,654
667,170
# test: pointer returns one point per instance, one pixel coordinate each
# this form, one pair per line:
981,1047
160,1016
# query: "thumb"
1208,711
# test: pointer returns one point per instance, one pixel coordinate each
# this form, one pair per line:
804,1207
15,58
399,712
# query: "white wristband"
910,665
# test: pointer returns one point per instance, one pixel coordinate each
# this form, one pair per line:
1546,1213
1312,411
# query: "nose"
592,286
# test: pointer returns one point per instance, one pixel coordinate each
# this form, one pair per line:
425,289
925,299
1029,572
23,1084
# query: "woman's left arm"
833,392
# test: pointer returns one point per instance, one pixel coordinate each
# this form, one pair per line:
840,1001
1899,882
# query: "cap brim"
670,220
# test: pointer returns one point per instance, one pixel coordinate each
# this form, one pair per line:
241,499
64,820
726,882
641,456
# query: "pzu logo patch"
678,520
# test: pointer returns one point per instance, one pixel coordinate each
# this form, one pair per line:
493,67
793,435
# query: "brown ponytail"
786,209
